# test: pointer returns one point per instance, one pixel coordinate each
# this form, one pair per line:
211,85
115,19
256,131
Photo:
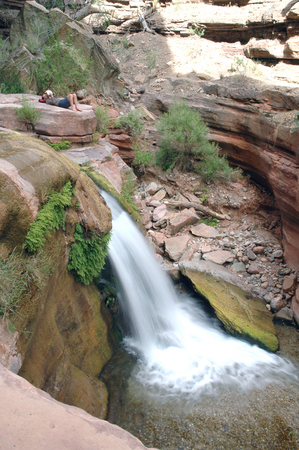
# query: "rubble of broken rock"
247,241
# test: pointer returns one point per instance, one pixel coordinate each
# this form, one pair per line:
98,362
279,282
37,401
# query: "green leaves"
50,217
87,256
185,144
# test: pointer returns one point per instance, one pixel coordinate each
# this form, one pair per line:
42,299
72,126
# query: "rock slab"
31,420
241,313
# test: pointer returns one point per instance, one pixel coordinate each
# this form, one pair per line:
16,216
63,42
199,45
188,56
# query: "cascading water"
180,349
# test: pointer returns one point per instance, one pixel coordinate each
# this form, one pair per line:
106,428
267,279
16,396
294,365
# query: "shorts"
64,103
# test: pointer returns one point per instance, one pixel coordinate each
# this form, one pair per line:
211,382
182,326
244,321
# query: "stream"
179,381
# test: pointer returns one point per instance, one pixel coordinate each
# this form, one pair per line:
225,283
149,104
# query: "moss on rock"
241,313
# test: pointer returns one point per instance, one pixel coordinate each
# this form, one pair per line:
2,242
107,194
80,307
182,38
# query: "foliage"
28,112
122,93
244,66
62,145
131,122
211,222
295,126
87,255
18,273
151,59
10,82
50,217
50,4
63,68
185,144
5,48
197,31
103,119
142,158
129,188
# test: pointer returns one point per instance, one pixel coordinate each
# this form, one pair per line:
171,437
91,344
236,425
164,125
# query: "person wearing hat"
69,101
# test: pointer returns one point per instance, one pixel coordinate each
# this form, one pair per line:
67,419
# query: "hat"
48,92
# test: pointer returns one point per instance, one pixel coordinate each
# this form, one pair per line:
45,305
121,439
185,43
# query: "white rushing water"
180,349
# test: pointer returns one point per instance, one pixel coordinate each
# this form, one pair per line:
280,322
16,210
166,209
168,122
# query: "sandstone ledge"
31,419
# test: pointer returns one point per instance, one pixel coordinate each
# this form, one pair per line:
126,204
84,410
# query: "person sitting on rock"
69,101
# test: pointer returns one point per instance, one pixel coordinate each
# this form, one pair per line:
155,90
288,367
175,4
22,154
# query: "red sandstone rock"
218,257
175,246
125,145
181,220
159,213
204,231
289,283
30,420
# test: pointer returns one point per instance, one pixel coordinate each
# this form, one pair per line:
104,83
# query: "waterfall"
180,349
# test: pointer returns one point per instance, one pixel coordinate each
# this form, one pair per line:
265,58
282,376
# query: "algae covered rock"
241,313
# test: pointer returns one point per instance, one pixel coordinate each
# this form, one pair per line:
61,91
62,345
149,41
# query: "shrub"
131,122
103,119
185,144
129,188
142,158
18,274
9,78
28,113
50,217
63,68
62,145
87,255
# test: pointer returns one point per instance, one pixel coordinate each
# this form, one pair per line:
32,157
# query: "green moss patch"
50,217
87,256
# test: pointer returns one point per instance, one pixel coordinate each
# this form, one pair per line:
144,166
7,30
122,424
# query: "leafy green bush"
129,188
62,145
10,82
185,144
103,118
50,217
131,122
63,68
50,4
142,158
18,273
28,113
87,255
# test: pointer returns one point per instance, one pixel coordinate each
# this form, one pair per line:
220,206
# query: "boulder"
205,231
175,246
105,159
30,418
218,257
34,17
181,220
241,313
124,144
54,121
159,213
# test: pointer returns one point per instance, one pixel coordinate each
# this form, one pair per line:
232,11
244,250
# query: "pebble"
278,254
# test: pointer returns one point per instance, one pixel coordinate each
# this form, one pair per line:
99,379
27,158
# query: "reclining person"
69,101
